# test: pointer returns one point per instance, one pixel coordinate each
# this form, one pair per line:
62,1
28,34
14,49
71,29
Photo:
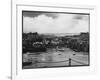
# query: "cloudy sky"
48,22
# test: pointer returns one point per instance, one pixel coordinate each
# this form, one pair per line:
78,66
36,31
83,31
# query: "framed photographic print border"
18,73
61,13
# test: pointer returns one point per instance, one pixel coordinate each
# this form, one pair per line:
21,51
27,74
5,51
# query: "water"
53,58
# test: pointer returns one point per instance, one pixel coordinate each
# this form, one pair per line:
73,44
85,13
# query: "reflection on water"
54,58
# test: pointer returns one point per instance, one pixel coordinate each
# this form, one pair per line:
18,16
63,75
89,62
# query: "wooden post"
69,61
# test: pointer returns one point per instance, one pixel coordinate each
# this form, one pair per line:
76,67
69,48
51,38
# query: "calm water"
55,58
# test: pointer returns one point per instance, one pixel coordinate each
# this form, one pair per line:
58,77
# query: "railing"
79,62
69,62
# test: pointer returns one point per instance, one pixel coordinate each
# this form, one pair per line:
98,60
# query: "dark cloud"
81,17
31,14
37,13
53,15
78,17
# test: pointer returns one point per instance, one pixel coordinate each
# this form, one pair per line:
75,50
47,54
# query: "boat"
61,49
26,63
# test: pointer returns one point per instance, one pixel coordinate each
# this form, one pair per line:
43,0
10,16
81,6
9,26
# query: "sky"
52,22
